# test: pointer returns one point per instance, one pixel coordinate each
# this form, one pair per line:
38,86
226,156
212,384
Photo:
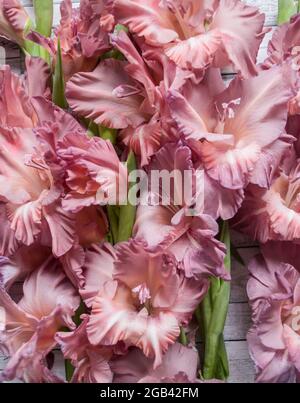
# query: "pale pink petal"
114,317
98,269
197,52
135,367
159,273
144,141
94,95
62,228
148,19
292,340
37,67
161,331
241,29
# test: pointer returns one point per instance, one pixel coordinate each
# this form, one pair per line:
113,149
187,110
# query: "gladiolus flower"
29,327
195,34
273,290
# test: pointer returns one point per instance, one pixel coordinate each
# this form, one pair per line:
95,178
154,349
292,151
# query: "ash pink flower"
95,174
273,214
238,133
32,176
144,303
274,339
190,237
128,95
179,365
13,20
284,48
90,362
280,48
28,328
196,34
83,36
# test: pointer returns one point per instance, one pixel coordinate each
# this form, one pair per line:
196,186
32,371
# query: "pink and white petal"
159,275
98,269
62,228
72,264
144,141
190,123
268,166
48,289
154,225
148,19
26,221
95,369
242,31
230,167
284,222
219,201
197,52
292,340
8,241
189,295
260,107
161,331
137,67
114,317
94,95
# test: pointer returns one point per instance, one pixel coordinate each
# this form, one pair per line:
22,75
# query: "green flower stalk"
286,9
212,315
128,211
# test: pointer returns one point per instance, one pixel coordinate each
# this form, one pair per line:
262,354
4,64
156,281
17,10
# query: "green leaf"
128,211
58,90
286,9
43,10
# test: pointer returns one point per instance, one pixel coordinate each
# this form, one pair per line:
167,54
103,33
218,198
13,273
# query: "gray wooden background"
238,322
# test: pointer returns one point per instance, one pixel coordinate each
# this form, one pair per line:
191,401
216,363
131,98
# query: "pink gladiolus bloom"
128,95
83,35
32,176
274,293
179,365
196,34
90,362
95,175
238,133
273,214
189,235
145,301
28,328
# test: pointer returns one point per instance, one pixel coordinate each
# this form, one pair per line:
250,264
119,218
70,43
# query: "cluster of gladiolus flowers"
123,290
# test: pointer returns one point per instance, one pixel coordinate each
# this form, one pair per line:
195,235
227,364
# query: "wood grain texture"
238,321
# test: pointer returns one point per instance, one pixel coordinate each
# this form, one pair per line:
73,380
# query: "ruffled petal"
95,96
241,30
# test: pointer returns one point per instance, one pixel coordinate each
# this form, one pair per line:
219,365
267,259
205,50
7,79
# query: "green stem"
128,211
286,9
212,315
114,223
